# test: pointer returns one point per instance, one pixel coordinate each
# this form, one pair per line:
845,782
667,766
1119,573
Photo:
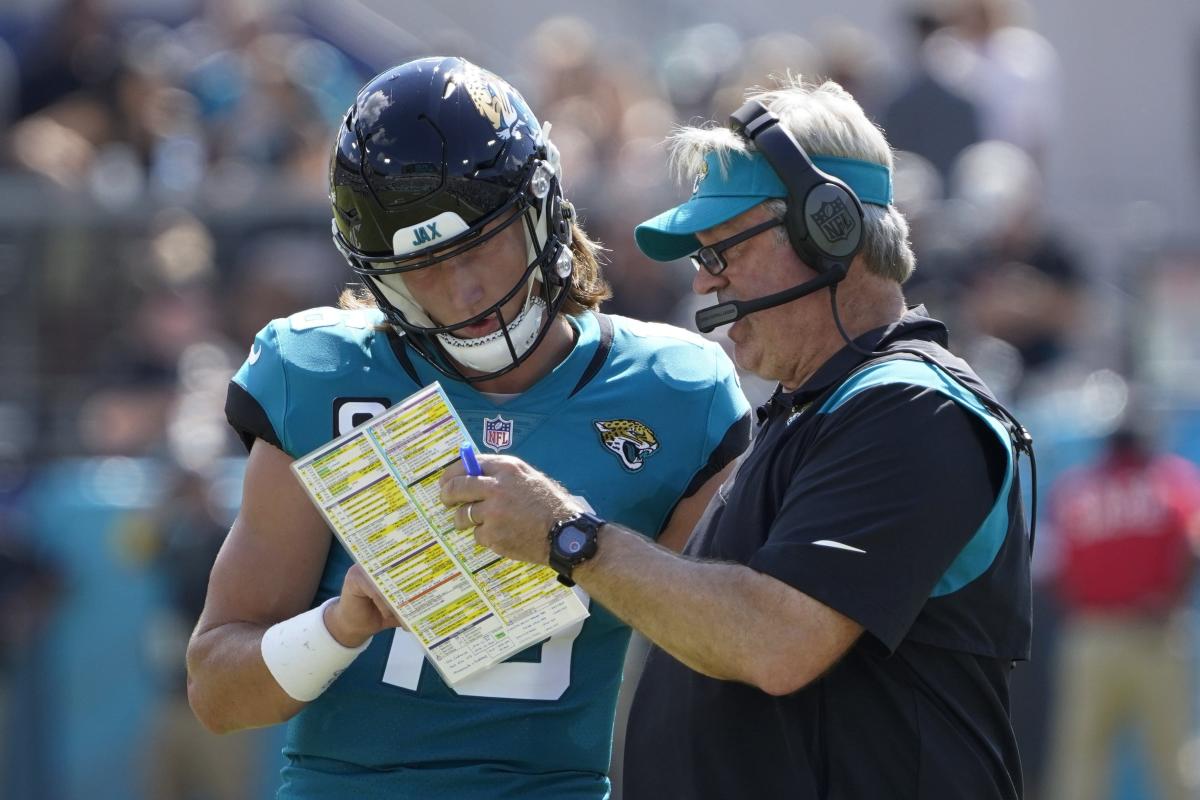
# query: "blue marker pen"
467,453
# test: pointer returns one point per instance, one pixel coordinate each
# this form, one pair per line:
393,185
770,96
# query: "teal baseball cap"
721,192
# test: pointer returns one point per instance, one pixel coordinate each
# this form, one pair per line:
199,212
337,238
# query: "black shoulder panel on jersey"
600,356
732,445
248,418
400,349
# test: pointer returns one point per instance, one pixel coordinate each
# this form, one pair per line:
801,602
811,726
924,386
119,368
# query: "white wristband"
303,656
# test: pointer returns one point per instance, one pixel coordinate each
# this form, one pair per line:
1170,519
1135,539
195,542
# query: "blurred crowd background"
162,196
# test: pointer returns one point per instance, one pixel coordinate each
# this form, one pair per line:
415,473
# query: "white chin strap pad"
490,353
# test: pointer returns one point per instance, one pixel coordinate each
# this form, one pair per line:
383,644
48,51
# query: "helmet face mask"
435,158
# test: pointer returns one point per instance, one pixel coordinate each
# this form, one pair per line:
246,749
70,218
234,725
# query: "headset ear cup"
833,220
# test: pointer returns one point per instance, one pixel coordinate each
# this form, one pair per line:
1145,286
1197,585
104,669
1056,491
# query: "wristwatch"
573,541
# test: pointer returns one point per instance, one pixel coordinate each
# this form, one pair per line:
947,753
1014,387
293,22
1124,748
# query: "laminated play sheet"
377,486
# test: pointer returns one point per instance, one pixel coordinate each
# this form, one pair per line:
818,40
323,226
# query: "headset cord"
1021,438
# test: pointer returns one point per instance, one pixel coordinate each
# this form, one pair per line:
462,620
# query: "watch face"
571,540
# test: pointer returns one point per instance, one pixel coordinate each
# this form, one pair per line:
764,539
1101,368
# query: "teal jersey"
636,418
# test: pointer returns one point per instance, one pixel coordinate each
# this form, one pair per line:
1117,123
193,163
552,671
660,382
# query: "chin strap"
498,349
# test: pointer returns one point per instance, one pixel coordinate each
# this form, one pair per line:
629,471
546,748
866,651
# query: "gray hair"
826,120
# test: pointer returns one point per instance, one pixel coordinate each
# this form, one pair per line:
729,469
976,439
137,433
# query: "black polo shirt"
881,490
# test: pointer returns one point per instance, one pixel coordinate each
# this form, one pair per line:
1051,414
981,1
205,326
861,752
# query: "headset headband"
825,217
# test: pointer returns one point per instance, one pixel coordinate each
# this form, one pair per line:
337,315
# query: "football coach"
845,617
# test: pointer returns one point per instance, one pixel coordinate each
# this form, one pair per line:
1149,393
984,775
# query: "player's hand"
360,612
511,505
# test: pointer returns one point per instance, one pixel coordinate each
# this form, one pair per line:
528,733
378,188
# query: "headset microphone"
709,319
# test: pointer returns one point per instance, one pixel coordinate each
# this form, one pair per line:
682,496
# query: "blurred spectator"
72,50
10,84
29,587
1010,72
576,84
850,57
1021,283
138,362
1126,529
926,116
608,122
179,540
766,58
694,64
171,112
918,190
277,274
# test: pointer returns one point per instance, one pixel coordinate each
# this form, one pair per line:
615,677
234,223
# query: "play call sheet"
377,488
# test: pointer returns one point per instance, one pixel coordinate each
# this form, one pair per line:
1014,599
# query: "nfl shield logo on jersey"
497,432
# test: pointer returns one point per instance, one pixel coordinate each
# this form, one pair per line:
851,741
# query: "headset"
824,222
824,218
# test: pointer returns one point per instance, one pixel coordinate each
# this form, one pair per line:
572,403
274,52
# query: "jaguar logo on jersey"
497,432
632,441
835,220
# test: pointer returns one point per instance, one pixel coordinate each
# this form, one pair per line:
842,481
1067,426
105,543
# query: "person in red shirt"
1126,527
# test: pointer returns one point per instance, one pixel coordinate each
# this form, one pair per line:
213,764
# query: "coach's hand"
360,612
511,505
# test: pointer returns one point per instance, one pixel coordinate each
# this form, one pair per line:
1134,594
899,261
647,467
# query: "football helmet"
435,157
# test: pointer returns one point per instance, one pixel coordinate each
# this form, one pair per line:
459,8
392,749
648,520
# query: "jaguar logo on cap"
700,176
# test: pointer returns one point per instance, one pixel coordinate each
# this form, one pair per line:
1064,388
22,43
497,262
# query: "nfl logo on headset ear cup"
833,222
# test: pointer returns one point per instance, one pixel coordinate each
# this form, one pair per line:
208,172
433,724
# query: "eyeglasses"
710,257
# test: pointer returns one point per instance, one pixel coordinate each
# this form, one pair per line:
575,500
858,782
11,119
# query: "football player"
448,204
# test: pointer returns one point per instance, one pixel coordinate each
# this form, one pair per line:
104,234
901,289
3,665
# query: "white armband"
302,655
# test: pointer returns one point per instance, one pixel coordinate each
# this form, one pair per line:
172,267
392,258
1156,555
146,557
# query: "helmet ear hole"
562,214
